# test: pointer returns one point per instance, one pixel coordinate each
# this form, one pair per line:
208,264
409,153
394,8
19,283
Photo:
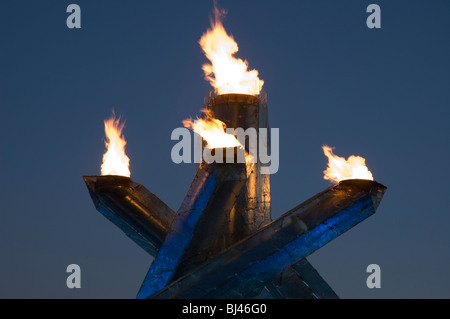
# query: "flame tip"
224,69
339,168
212,130
115,161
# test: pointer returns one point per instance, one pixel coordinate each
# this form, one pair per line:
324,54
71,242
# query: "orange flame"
212,131
339,168
115,161
226,73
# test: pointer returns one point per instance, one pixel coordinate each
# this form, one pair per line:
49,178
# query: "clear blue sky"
379,93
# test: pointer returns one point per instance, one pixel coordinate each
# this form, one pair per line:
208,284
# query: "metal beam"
243,269
215,189
253,207
300,281
134,209
140,214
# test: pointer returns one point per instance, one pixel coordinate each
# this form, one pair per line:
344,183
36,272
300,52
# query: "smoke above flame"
339,168
226,73
115,161
212,131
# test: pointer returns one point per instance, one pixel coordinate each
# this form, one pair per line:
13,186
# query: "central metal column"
252,210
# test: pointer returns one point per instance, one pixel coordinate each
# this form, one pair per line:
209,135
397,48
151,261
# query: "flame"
226,73
212,131
339,168
115,161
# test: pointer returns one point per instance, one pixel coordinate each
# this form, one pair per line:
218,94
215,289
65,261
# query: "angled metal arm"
241,270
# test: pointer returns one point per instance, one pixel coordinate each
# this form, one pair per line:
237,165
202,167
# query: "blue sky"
379,93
